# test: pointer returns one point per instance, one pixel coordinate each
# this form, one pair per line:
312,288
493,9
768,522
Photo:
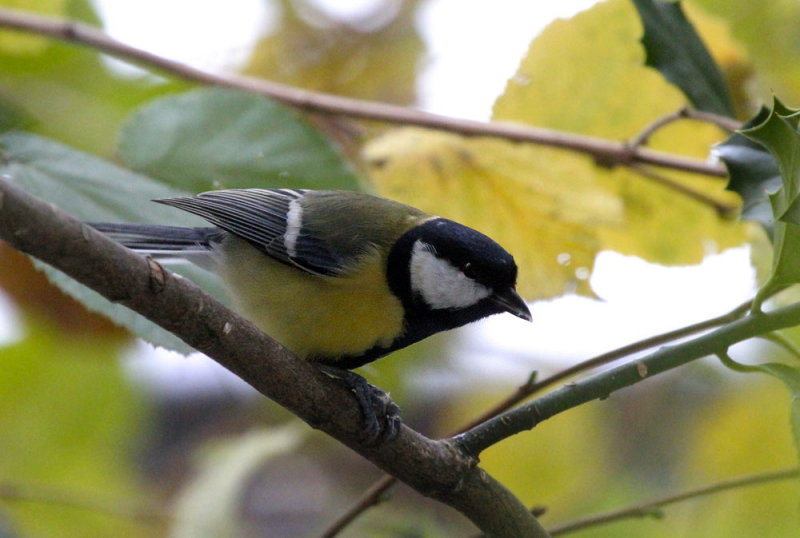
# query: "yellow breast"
314,315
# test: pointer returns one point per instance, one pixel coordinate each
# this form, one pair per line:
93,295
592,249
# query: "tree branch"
372,496
605,151
532,386
601,385
434,468
652,508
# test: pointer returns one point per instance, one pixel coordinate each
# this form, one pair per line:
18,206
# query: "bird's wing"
270,220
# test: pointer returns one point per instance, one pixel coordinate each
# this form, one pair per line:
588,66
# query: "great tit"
339,278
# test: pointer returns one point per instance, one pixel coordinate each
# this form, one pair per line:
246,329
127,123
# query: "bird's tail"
168,243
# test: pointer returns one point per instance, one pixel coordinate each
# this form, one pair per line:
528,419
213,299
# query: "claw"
381,415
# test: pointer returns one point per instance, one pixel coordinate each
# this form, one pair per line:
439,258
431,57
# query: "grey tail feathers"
170,241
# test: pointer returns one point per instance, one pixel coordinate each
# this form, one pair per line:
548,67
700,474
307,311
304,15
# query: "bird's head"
447,275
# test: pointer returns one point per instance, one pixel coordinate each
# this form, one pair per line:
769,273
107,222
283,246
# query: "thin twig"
651,508
372,496
644,135
605,151
723,122
724,210
529,389
146,513
603,384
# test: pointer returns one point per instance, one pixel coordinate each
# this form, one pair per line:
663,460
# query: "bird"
340,278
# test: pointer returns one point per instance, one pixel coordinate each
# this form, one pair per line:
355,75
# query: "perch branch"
372,496
434,468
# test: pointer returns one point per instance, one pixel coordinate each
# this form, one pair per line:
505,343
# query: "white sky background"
464,38
458,35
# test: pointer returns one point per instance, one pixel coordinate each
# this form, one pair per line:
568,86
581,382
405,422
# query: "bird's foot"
381,415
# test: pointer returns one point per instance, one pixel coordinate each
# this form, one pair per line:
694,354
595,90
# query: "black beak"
510,301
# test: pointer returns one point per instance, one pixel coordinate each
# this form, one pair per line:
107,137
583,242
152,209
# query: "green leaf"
92,189
218,138
70,90
13,116
674,48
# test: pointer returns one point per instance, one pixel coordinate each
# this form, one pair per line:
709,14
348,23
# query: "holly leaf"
779,135
674,48
753,172
788,375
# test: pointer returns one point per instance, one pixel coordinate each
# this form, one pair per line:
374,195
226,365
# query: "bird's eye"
469,270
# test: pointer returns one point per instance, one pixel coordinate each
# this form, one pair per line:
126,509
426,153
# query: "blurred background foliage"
79,427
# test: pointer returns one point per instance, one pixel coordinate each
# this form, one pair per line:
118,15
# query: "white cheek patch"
439,283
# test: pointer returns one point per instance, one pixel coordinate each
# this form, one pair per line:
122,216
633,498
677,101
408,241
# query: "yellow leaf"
553,209
375,57
501,190
587,75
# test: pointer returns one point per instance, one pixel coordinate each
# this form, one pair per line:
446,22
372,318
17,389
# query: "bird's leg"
381,414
